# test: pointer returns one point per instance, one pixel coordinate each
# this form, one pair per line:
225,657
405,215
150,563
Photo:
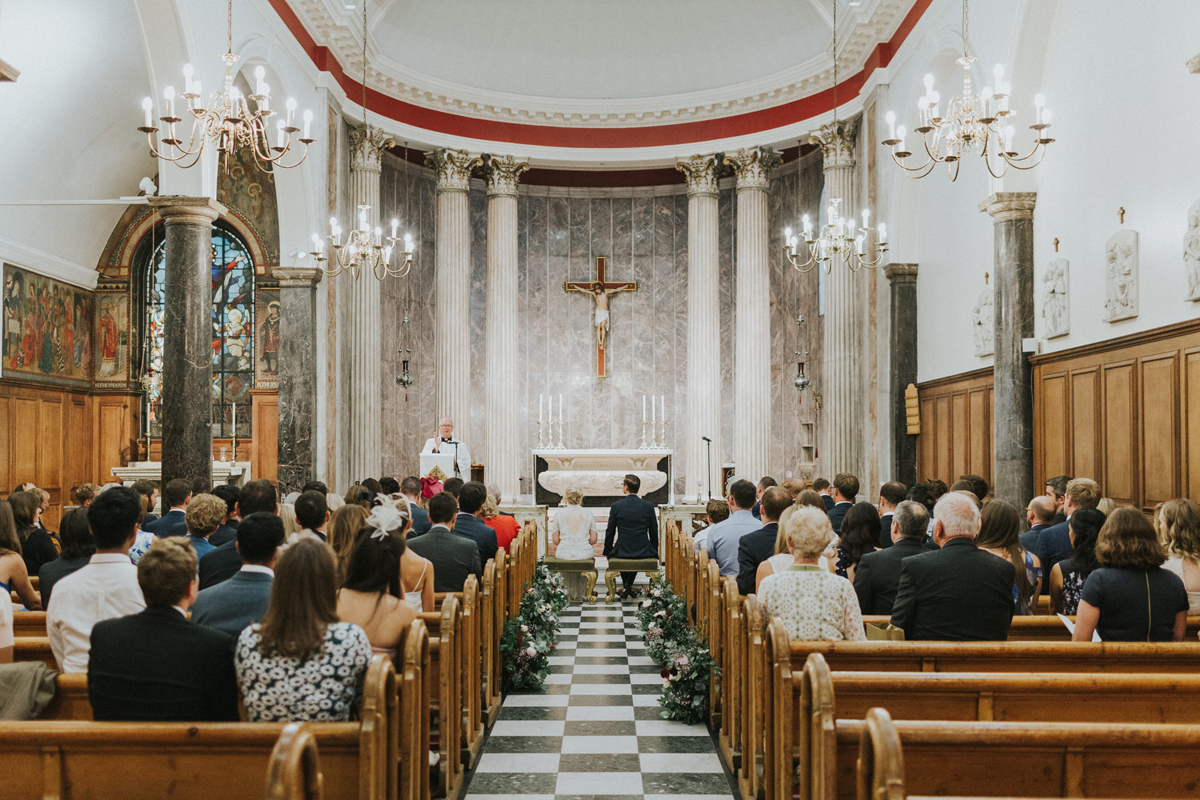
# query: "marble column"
366,318
752,332
187,336
841,433
702,474
452,290
297,375
902,321
1012,419
505,444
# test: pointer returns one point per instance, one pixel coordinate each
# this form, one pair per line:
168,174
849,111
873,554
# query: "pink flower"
682,661
530,652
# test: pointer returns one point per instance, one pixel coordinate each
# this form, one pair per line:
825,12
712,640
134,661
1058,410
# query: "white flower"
660,613
525,629
529,651
666,683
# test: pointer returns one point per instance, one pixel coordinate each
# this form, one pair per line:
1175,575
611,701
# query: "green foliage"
527,641
679,647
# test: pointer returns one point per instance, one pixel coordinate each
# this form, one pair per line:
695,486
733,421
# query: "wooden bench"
29,623
294,772
446,697
650,566
185,760
585,567
1044,628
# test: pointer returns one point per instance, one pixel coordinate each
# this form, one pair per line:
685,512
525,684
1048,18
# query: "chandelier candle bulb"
883,233
280,135
866,216
260,85
891,122
188,71
643,409
199,92
308,118
1039,103
540,399
169,96
408,243
148,106
291,111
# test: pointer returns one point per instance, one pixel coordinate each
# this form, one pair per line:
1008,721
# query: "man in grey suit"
243,599
453,557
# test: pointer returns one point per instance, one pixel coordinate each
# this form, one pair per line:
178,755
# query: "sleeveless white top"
414,598
574,529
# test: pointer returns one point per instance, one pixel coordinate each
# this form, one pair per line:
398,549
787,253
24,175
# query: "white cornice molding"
330,27
46,264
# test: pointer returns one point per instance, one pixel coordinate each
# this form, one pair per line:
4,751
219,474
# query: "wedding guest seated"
359,495
1178,524
470,505
453,486
877,576
344,526
453,557
300,664
315,486
371,596
312,514
204,515
858,536
724,538
1130,597
176,496
157,666
1000,535
782,560
85,493
291,525
149,491
78,545
755,548
813,603
1040,515
891,494
417,576
37,547
410,487
714,511
256,496
957,592
227,530
821,487
13,575
808,497
572,530
106,588
504,526
845,489
243,599
1068,576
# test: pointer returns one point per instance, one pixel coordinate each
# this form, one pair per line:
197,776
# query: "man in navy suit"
632,531
1040,514
243,599
224,562
891,494
470,502
411,489
755,548
176,496
157,665
821,487
1054,543
845,489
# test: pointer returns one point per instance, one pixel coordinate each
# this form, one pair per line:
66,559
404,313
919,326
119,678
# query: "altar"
234,473
599,474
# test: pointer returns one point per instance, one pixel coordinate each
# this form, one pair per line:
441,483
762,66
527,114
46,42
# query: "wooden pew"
294,772
446,701
733,673
187,760
712,627
29,623
1044,628
496,625
34,648
415,692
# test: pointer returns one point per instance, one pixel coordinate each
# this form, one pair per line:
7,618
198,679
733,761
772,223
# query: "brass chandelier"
227,121
364,250
974,122
840,239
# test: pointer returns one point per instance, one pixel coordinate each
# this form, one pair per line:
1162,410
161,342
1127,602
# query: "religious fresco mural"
266,357
112,339
250,192
47,328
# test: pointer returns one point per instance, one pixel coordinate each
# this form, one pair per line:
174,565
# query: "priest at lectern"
445,443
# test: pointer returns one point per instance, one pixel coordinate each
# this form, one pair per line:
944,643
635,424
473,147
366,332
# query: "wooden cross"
600,289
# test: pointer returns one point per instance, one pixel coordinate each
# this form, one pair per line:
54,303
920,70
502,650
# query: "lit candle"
891,121
662,399
900,136
169,96
147,106
987,101
541,398
291,110
550,414
643,409
395,227
233,416
858,244
198,91
188,72
882,232
561,415
807,225
317,248
866,216
787,237
653,410
259,82
308,118
1039,103
1010,133
408,245
280,134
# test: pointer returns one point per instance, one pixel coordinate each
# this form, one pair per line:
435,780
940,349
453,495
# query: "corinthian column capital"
502,174
367,144
453,168
1005,206
701,173
836,143
752,166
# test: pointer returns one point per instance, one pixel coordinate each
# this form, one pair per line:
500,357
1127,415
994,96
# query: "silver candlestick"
644,445
662,426
560,435
541,442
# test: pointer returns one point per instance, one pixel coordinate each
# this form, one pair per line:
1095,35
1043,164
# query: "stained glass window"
232,334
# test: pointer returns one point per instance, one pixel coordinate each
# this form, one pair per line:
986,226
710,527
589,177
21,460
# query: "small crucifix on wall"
600,289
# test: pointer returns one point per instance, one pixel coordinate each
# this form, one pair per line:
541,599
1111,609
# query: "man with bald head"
444,442
1041,516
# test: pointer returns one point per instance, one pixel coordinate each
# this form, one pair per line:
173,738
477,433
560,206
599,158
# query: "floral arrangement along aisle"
528,640
678,647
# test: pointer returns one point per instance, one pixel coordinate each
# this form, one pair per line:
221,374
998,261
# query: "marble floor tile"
599,762
645,700
531,728
600,688
600,728
609,713
681,762
578,700
525,762
611,678
559,678
528,744
655,783
601,669
600,744
641,661
647,678
536,700
601,637
613,782
514,783
511,712
668,728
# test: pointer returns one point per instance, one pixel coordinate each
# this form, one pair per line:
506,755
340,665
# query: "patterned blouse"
322,688
814,604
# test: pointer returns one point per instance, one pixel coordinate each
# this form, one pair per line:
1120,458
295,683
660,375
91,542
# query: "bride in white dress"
574,535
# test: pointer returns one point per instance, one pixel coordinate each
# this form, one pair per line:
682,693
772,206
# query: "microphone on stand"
709,446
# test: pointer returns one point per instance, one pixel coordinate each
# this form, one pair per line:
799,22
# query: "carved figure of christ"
600,289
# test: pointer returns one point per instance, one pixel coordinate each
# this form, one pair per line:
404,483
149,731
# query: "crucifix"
600,289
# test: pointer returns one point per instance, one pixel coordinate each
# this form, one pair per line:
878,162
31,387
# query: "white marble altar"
599,473
234,473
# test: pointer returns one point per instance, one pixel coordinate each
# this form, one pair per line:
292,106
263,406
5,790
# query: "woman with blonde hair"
782,560
1178,525
290,523
814,603
342,532
573,532
506,527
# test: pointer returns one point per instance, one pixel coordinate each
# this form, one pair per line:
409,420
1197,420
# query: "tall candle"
234,416
561,415
653,410
540,399
663,401
643,409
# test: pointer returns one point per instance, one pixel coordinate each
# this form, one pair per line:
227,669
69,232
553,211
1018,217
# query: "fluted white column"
842,427
702,474
502,414
452,289
366,391
752,338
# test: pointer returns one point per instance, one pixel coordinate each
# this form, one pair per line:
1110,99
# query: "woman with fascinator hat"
372,595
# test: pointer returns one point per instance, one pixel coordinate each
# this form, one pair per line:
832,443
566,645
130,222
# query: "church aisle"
594,731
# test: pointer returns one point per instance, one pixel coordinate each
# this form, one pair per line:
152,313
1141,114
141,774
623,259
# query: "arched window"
232,331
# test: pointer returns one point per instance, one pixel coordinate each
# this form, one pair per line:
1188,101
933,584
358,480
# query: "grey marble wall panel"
727,243
476,434
679,408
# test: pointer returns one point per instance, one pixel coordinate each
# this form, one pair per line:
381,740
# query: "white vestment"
463,457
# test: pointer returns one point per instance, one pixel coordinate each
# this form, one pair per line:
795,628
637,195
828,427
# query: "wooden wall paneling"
1191,421
926,450
979,425
943,437
50,453
77,444
113,431
1086,445
24,436
265,427
956,427
1159,448
6,450
1120,440
960,433
1056,426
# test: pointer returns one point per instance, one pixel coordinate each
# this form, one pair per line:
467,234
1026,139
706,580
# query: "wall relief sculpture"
1121,276
1191,252
983,323
1056,306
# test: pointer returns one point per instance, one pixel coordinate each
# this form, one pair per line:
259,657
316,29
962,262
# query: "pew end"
295,769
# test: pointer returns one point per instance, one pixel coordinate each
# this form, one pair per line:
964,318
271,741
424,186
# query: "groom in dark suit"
631,521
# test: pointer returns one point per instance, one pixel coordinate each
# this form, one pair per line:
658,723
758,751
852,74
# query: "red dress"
506,529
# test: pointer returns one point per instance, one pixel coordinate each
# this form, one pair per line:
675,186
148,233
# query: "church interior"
774,244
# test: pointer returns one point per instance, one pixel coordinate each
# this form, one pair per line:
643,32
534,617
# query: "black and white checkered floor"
594,730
